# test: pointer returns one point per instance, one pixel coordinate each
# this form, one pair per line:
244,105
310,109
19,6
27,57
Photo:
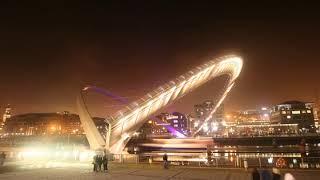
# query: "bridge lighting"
128,120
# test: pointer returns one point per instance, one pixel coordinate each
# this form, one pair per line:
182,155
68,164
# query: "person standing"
99,162
165,161
255,174
2,158
105,162
95,163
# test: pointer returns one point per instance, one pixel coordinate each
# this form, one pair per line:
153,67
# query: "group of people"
98,161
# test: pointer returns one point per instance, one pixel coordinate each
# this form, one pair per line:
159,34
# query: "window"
295,112
283,112
303,111
288,117
308,111
175,125
175,121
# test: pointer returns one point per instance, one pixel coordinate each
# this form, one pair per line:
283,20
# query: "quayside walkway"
73,171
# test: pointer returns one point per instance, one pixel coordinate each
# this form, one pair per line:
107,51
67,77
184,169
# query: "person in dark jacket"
95,163
99,161
255,174
165,161
105,162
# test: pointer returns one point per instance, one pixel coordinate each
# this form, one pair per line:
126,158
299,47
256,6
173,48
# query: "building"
166,125
212,125
101,125
294,112
254,116
256,122
178,121
316,113
203,109
6,114
154,127
43,124
39,124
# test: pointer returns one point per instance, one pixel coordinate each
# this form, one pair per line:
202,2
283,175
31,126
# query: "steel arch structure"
129,119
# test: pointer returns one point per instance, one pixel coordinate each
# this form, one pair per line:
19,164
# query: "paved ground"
61,171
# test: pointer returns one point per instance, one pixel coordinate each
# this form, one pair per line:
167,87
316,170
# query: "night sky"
48,51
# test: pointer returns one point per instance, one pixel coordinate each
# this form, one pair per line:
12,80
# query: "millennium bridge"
125,122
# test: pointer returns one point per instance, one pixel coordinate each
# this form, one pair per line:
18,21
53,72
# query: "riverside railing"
224,160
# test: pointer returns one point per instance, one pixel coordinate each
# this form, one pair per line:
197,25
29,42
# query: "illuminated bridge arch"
129,119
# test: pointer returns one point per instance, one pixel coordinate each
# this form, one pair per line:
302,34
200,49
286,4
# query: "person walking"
165,161
105,162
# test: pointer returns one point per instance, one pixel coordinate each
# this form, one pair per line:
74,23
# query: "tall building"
202,112
316,110
178,121
316,113
294,112
6,114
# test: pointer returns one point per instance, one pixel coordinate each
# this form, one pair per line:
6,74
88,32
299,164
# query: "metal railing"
220,160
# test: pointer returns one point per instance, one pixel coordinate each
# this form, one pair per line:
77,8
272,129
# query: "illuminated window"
175,121
175,125
288,117
295,112
283,112
308,111
303,112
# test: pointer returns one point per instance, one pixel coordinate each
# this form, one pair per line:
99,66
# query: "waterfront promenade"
61,171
